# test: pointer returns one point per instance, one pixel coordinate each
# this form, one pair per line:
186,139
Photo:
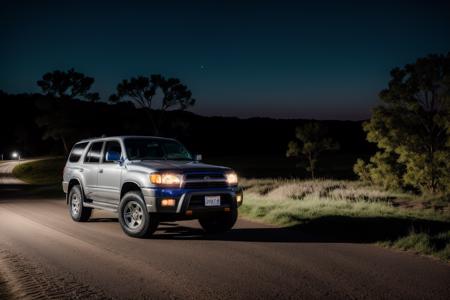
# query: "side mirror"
198,157
112,156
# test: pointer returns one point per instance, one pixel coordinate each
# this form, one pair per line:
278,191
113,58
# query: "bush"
424,243
382,171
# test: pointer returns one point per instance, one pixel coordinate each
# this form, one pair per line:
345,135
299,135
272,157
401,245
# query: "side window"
111,146
77,151
94,153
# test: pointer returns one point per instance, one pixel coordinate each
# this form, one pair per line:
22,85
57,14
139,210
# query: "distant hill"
214,136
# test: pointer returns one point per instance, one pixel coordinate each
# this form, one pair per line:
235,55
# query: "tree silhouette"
67,85
56,111
57,117
412,127
142,90
313,142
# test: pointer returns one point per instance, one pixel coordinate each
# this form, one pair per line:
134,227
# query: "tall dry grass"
291,201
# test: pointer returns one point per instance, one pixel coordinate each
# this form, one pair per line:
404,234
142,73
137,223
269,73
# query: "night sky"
283,59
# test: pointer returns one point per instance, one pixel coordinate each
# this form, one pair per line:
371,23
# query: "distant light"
15,154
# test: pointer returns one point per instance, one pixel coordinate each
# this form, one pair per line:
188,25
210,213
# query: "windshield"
155,149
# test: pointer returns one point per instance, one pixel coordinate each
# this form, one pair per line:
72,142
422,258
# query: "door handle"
100,171
81,169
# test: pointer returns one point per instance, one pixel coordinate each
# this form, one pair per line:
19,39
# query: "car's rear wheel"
78,212
219,223
134,217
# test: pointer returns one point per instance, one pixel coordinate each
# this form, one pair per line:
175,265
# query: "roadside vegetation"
352,211
411,128
41,172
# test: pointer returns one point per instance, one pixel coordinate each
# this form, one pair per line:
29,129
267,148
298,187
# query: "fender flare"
70,186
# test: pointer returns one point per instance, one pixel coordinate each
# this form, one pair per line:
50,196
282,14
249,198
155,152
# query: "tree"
57,116
142,90
58,119
67,85
412,126
313,142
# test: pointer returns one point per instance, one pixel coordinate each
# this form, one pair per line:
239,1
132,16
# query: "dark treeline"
33,123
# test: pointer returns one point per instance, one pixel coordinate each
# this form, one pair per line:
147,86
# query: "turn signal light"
165,179
155,178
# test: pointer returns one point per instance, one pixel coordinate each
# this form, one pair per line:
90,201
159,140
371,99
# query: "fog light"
168,202
239,198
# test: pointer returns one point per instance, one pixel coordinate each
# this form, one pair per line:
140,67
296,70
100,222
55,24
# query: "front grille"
204,176
205,184
198,201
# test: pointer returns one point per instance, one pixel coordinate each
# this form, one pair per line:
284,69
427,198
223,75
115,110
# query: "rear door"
109,176
90,169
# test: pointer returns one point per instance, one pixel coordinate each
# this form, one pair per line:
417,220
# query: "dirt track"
6,168
47,254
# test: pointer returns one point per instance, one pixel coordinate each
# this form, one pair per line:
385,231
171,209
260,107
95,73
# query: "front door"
109,176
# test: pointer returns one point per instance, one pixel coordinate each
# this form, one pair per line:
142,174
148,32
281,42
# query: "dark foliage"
142,91
257,138
411,128
314,140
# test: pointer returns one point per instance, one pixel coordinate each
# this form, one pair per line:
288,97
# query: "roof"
121,137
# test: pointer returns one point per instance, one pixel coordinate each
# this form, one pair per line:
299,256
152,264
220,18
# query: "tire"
221,223
77,211
134,217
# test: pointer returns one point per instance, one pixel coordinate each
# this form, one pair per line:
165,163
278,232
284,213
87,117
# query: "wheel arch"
72,183
129,186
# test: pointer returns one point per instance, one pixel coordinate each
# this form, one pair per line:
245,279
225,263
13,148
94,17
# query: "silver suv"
147,180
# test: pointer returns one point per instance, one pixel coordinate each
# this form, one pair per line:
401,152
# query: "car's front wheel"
134,217
77,211
219,223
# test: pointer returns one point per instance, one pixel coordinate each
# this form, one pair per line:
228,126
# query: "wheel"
221,223
77,211
134,218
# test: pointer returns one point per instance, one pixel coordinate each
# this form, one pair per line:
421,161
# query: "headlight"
165,179
232,178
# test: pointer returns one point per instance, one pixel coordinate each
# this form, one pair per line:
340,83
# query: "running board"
101,205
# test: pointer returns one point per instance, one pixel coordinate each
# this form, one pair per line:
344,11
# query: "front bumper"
190,199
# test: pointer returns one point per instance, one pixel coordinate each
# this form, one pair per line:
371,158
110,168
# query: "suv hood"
175,165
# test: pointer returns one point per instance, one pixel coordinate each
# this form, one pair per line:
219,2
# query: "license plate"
212,200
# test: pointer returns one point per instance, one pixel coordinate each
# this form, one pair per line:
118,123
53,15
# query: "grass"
437,245
41,172
352,211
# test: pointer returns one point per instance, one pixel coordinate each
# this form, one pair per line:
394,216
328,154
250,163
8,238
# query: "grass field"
349,211
331,210
41,172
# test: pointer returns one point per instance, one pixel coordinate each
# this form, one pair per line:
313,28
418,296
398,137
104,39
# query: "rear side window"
77,151
94,153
